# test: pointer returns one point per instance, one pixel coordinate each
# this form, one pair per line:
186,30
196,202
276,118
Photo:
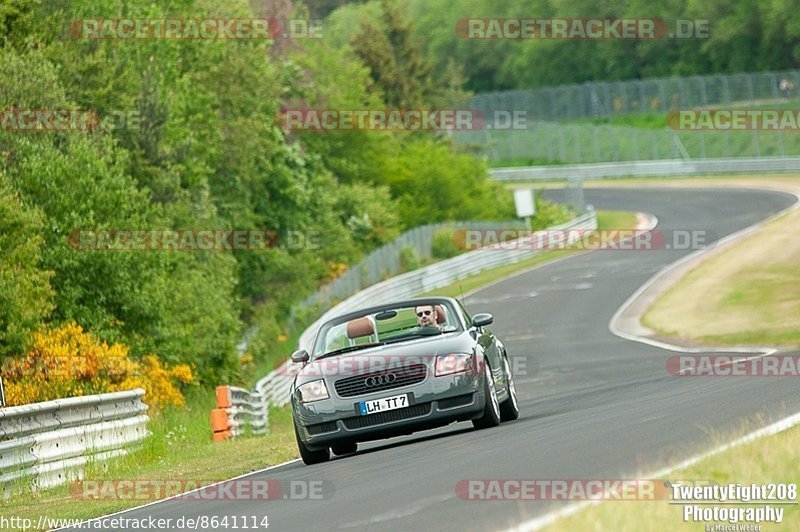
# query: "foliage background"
207,153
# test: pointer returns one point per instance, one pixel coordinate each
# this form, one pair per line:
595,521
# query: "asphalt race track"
593,405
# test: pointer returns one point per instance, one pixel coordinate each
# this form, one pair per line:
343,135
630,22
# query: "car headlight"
455,363
312,391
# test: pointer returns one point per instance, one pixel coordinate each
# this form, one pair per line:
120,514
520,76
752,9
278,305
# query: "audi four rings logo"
377,380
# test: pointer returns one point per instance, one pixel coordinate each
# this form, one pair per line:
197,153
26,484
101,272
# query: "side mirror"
300,356
482,320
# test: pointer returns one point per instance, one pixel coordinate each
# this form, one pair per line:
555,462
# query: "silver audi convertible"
396,369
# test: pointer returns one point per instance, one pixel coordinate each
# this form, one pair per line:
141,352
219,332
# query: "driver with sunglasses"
426,316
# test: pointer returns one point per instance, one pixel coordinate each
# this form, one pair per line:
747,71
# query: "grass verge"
760,462
747,294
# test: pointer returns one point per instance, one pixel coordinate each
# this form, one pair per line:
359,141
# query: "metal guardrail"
239,411
275,387
46,444
385,261
665,168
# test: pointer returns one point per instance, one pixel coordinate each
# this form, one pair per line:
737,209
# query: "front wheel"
509,410
491,410
309,456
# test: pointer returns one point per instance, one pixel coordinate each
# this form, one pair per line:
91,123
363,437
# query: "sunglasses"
424,313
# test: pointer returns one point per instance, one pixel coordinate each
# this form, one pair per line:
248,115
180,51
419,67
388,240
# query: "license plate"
382,405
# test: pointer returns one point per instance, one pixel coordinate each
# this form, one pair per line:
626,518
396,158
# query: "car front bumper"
437,401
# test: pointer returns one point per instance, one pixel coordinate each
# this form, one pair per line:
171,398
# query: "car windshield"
392,324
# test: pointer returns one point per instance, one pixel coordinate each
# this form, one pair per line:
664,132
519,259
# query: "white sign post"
523,201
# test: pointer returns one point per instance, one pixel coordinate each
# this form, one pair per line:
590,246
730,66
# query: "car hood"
421,350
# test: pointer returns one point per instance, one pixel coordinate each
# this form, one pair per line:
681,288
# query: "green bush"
409,260
206,152
25,293
549,213
443,246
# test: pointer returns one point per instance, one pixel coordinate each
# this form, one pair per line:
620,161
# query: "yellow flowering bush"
335,269
68,362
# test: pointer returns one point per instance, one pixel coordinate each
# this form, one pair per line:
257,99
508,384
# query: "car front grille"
400,414
378,381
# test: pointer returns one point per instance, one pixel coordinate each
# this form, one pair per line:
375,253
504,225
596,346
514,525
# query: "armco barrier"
385,261
47,444
238,411
275,387
663,168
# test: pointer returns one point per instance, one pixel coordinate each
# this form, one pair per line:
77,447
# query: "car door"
488,342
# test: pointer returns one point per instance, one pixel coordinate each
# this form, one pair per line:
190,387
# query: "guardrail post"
223,396
220,424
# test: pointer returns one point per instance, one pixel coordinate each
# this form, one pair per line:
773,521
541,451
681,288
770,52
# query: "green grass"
642,120
771,291
615,219
762,462
738,297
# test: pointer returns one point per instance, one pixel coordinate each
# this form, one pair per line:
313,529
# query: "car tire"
491,410
509,409
311,457
341,449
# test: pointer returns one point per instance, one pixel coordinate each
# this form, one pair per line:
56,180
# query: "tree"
397,62
25,293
